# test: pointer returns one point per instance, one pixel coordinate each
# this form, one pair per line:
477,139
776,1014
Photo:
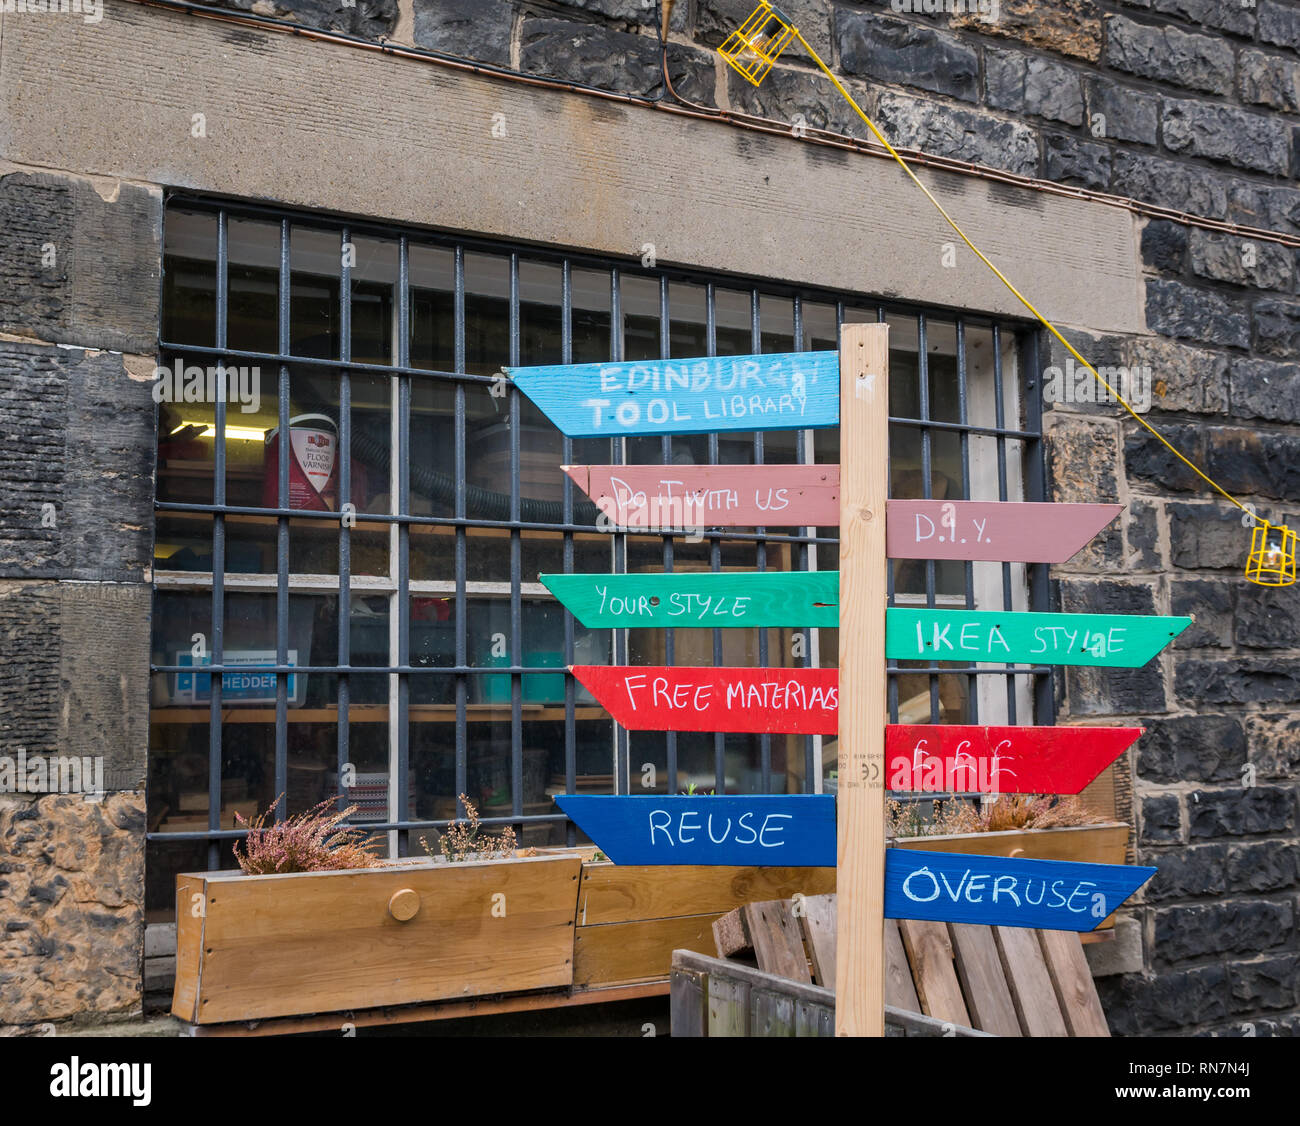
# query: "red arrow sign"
918,758
1006,760
656,497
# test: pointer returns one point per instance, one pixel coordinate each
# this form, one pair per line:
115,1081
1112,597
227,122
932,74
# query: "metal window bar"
801,540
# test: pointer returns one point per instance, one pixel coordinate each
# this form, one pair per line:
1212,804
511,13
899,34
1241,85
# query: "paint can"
313,454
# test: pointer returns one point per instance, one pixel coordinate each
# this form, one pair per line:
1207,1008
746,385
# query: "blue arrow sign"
798,831
763,830
783,391
1059,895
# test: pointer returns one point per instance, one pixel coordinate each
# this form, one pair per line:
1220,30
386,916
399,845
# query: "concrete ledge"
327,126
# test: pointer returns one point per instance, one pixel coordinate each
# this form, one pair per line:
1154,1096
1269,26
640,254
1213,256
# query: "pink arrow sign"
918,758
655,497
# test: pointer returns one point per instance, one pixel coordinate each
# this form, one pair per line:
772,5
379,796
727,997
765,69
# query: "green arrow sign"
749,599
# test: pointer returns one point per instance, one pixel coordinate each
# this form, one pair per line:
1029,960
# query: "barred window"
354,612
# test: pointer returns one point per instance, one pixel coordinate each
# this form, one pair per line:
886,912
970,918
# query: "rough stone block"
1067,160
1274,742
1246,460
1227,15
1032,85
907,54
1266,389
1198,748
1121,955
74,673
1170,183
1269,80
1211,603
1121,113
964,134
1175,309
1071,27
1243,680
1242,926
787,92
1267,617
1182,378
1164,245
1142,521
1232,813
1255,141
1139,1005
71,906
1277,328
1083,459
592,55
1162,821
1183,873
78,465
1279,23
1148,459
79,260
472,29
1241,261
1264,866
1273,208
366,19
1165,54
1269,983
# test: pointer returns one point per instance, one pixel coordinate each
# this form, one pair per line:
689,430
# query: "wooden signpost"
799,391
735,600
798,830
919,758
808,496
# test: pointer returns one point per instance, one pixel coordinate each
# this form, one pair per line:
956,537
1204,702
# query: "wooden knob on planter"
404,905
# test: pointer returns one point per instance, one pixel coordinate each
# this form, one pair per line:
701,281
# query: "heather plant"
305,842
463,840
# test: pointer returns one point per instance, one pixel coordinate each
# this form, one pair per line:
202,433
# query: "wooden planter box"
250,948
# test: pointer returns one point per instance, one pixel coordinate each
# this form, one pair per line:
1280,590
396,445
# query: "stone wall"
79,278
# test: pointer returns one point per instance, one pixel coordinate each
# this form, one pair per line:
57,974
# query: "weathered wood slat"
900,990
819,930
728,1006
1037,1008
775,936
618,952
929,950
979,968
1076,992
688,1003
771,1013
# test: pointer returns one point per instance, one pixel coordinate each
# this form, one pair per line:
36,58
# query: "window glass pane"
254,285
315,259
374,301
487,313
433,308
190,278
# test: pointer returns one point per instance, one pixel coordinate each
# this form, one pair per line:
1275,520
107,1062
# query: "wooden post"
864,486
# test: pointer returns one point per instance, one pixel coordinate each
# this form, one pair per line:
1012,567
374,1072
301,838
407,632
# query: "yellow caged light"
754,47
1272,555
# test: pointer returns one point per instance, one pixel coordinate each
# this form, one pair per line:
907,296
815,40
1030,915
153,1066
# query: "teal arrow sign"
749,599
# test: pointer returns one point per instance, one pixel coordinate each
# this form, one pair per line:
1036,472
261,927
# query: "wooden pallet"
1005,981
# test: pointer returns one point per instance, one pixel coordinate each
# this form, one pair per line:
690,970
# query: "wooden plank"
979,969
713,496
325,942
705,395
728,1006
771,1013
191,907
929,950
960,758
729,936
688,1003
1026,974
900,990
1107,640
734,496
618,893
811,1019
660,698
1010,891
1006,531
777,940
818,916
864,479
640,951
1076,992
704,599
1099,844
785,830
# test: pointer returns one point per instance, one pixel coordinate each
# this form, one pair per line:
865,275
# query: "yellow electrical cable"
1002,277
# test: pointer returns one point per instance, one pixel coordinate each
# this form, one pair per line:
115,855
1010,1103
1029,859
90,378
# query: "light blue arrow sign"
783,391
798,831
